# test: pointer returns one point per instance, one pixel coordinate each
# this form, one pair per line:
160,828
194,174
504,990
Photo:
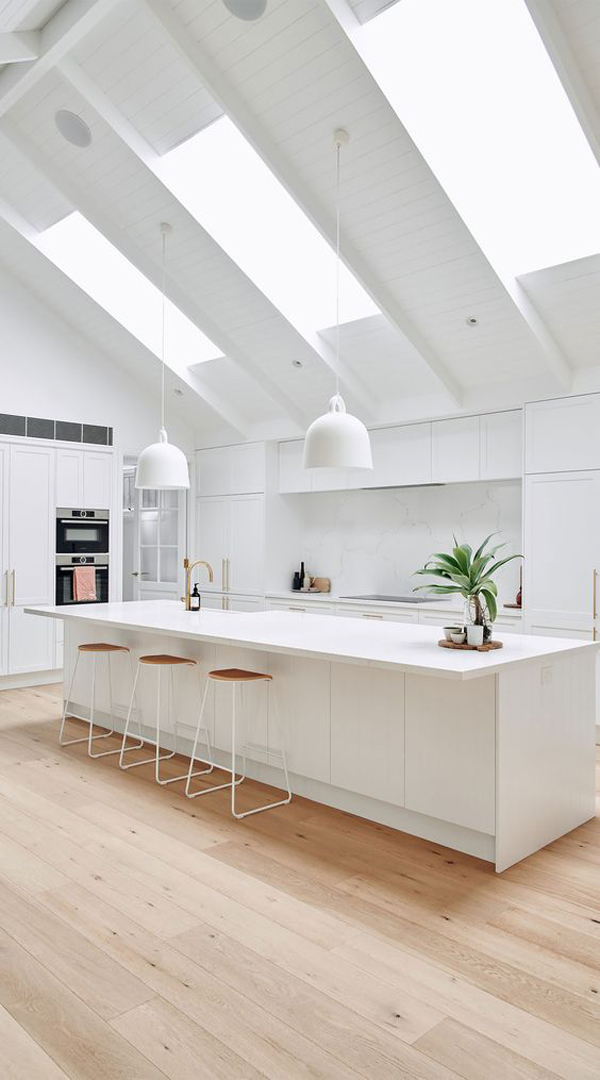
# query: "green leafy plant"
470,575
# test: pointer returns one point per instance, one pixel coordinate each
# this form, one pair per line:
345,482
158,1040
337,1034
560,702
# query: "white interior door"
159,525
30,556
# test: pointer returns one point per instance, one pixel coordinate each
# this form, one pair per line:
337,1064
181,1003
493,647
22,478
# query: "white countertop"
411,648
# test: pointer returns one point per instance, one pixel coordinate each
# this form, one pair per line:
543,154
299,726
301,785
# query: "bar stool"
95,649
160,661
236,677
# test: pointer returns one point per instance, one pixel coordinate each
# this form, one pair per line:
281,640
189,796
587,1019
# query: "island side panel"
545,752
450,750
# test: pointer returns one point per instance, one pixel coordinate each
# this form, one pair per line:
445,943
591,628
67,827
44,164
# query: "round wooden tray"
487,647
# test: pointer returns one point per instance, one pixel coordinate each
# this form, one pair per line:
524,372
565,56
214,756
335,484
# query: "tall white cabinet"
27,556
230,525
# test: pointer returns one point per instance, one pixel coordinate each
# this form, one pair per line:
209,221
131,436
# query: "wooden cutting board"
487,647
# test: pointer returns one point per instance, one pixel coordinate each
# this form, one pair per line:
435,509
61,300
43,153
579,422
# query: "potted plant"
470,575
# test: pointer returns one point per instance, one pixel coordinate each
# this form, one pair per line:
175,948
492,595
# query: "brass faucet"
188,566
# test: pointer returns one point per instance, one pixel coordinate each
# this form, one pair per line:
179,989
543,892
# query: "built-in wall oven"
82,532
66,589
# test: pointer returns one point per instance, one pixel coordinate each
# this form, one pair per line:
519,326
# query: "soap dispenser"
195,599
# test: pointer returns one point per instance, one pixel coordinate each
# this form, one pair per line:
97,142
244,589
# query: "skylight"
475,88
97,267
230,191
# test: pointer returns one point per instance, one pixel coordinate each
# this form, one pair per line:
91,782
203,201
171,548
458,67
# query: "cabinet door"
246,544
501,445
97,476
367,732
563,435
247,469
455,449
213,471
401,456
4,567
69,478
31,556
562,549
212,539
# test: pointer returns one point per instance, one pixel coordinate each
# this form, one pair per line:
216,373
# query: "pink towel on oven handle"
84,584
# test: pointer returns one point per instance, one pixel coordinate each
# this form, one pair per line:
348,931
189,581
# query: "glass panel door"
160,544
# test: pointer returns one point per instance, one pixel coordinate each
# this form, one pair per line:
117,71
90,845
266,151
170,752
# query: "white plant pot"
474,635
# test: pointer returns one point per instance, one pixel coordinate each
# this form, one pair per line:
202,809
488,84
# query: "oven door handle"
69,569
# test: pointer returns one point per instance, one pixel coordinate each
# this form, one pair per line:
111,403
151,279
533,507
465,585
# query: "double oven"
82,539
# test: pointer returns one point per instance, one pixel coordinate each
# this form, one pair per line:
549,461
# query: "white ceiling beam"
81,201
19,46
544,16
206,71
545,345
147,155
61,33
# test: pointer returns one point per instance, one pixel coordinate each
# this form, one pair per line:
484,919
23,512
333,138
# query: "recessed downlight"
73,128
471,320
297,363
249,10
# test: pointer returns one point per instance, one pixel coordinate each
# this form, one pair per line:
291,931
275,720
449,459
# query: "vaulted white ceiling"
146,75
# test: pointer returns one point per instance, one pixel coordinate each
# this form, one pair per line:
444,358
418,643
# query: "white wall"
372,541
48,369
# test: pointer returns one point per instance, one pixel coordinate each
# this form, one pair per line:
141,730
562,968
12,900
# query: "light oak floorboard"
144,935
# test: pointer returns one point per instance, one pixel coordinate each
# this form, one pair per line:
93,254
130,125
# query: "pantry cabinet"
28,568
230,535
562,550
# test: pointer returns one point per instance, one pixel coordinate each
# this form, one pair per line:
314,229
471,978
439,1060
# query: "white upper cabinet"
401,456
231,470
292,477
501,445
97,475
84,479
563,434
455,449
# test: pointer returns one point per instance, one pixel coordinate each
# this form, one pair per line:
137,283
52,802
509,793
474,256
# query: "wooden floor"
143,935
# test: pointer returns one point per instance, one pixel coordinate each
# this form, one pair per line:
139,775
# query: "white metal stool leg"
106,753
90,737
279,754
170,713
194,757
124,747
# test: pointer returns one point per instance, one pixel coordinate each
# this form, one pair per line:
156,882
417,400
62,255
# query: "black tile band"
35,427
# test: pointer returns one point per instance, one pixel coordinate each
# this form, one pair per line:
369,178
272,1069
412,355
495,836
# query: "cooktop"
396,599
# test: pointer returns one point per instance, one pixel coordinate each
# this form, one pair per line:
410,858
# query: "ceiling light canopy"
249,10
73,128
161,466
337,440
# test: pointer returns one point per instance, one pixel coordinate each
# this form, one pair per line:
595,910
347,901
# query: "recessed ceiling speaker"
73,128
249,10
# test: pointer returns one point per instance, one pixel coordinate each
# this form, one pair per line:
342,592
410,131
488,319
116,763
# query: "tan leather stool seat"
102,646
235,674
162,659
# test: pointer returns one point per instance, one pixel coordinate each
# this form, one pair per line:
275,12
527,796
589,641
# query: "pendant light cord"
337,268
162,380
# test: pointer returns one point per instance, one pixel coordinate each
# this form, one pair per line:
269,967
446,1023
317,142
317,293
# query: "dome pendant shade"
337,440
249,10
162,466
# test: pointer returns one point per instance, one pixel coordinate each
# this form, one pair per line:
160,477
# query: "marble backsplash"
373,541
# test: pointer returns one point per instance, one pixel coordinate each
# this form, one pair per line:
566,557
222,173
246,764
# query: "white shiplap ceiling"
146,75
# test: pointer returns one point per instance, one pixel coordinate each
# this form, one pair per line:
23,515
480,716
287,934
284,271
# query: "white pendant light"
249,10
162,466
337,439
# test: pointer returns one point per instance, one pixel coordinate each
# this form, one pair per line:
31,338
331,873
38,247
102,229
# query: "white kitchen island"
489,753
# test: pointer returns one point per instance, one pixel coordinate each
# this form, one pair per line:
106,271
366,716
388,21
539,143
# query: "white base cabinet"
367,732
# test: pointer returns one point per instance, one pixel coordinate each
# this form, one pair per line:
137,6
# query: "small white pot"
474,635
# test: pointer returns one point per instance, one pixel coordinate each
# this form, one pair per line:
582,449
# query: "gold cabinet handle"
227,564
594,599
222,603
223,573
290,608
14,588
366,615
